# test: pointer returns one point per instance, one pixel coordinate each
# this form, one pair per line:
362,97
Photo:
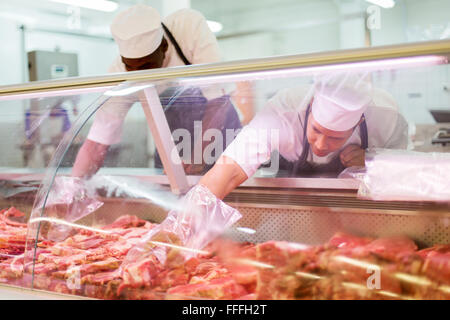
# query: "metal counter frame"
441,47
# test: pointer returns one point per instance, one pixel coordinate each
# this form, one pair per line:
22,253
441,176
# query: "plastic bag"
79,197
405,175
202,219
69,200
353,173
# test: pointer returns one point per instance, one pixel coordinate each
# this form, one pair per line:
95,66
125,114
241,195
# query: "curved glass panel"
126,217
32,129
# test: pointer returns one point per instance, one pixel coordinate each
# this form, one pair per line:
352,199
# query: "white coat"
280,126
190,30
198,44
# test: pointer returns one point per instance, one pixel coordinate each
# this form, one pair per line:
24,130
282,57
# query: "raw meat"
343,240
222,288
89,263
126,221
392,248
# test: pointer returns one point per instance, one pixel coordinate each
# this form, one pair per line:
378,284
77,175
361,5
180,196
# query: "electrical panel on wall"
48,65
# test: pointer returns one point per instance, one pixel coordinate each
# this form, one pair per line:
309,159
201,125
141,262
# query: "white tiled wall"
417,90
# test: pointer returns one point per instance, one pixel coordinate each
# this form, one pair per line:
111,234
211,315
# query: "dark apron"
175,45
183,106
302,166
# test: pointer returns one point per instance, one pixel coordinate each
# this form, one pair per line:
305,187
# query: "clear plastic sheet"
404,175
11,188
74,192
353,173
70,199
133,188
203,218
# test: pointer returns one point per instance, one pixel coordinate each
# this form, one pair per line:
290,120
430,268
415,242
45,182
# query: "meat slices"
222,288
124,222
90,263
343,240
392,248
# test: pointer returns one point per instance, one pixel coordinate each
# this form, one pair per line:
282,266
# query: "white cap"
340,100
137,31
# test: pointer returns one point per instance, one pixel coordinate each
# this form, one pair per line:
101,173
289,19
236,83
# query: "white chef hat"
340,100
137,31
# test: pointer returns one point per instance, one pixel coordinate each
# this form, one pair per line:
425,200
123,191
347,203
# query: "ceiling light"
383,3
100,5
214,26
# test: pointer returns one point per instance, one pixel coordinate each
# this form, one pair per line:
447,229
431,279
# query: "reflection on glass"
192,113
118,231
323,127
46,121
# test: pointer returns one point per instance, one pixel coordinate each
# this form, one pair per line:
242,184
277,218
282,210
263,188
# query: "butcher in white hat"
325,127
146,41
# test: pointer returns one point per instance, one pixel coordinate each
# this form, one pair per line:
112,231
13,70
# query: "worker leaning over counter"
146,42
325,127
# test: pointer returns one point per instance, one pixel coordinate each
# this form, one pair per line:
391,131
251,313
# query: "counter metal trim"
262,64
34,294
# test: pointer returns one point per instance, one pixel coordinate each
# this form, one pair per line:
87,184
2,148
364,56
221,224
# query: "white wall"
271,28
94,57
94,54
393,25
418,89
412,21
305,40
278,30
247,47
10,53
428,20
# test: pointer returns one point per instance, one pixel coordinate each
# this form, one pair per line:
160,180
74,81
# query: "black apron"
183,106
175,45
302,166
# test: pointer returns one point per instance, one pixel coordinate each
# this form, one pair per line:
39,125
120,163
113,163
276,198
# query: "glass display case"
101,196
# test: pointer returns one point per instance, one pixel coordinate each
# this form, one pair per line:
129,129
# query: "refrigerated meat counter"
117,234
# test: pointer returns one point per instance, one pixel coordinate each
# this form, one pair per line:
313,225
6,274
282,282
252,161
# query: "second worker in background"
147,42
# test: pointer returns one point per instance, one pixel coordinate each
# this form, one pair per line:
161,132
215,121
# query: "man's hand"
201,218
89,159
353,156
